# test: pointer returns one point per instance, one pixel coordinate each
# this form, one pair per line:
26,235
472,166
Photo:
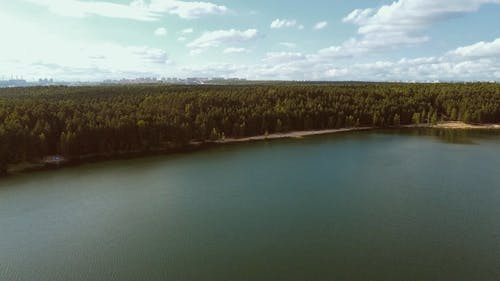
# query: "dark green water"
406,205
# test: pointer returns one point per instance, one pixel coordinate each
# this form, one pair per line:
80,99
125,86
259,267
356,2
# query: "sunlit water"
411,205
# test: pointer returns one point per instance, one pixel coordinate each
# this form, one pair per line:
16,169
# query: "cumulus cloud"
232,50
419,69
217,38
476,62
184,34
160,31
402,22
320,25
358,16
288,45
187,31
451,66
184,9
137,10
479,50
214,70
77,59
282,23
283,57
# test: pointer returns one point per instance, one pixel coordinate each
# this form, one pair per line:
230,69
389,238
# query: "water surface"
408,205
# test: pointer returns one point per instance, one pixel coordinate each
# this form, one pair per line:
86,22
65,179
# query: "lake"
377,205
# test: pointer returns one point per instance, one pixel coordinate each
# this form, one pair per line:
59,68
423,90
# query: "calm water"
359,206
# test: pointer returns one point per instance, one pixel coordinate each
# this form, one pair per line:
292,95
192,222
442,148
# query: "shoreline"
452,125
291,135
25,167
455,125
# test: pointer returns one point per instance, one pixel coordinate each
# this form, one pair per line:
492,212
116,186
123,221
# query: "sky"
370,40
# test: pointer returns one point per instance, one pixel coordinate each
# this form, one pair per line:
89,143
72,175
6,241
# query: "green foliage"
416,118
397,120
434,118
81,121
4,157
454,114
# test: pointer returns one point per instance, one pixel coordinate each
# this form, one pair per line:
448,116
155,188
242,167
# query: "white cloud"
451,66
358,16
320,25
232,50
476,62
63,58
72,59
160,31
184,33
186,9
479,50
349,48
281,57
402,22
288,45
137,10
187,31
282,23
89,61
419,69
217,38
214,70
81,9
196,52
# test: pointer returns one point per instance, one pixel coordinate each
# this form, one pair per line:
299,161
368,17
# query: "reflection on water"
377,205
451,136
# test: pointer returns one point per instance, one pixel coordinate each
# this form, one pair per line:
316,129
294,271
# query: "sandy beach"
300,134
296,134
462,125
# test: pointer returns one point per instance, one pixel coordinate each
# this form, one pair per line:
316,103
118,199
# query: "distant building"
19,82
13,83
45,81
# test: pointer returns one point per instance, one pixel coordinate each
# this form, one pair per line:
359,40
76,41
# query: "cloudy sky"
376,40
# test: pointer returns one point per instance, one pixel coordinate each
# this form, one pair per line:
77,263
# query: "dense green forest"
77,121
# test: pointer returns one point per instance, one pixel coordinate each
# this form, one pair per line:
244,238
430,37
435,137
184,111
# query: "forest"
104,120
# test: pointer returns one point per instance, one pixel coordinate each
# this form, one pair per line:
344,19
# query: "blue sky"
402,40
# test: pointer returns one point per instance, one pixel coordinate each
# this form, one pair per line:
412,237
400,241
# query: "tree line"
78,121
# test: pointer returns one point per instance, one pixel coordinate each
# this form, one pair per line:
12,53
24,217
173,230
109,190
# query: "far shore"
465,126
301,134
292,135
47,164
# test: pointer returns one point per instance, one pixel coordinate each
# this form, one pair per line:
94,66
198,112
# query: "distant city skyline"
21,82
323,40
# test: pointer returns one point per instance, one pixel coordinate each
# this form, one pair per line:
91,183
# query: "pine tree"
397,120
